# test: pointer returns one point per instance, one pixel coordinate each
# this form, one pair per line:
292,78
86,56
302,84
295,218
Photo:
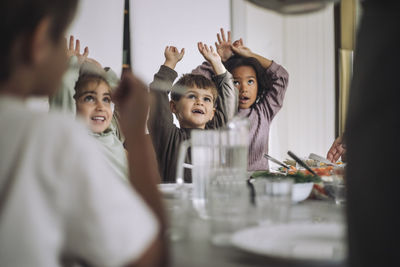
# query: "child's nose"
199,101
99,105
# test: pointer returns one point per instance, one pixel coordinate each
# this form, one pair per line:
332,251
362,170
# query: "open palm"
224,45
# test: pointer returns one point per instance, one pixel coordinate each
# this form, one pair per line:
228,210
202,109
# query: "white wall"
182,23
99,25
304,45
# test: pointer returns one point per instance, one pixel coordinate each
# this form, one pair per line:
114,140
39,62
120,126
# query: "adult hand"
241,50
173,56
337,150
223,46
74,50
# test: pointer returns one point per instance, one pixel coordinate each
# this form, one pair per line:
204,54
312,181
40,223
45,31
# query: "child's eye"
88,98
236,83
191,96
250,82
207,99
107,100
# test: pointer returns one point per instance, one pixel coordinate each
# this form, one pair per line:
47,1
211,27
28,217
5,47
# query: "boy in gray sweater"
204,104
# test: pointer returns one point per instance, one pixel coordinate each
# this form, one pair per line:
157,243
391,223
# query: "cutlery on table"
301,163
321,159
276,161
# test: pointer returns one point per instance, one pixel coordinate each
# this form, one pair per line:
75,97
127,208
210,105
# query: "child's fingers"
211,49
71,42
241,41
219,38
216,46
77,46
182,52
86,51
223,34
229,37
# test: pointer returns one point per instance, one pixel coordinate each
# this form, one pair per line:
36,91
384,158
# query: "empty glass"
273,199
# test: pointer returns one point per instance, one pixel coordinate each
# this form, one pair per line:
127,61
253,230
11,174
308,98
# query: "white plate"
311,242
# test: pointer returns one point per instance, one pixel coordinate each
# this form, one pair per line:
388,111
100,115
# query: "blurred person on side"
372,139
60,202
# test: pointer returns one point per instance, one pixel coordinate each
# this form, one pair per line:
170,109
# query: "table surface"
196,249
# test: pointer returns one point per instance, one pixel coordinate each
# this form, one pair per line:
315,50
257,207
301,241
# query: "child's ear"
172,106
39,42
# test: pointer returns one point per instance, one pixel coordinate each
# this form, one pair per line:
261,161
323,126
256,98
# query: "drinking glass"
273,199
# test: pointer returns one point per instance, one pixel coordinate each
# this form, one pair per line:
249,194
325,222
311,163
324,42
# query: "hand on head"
132,99
224,45
239,49
173,56
226,49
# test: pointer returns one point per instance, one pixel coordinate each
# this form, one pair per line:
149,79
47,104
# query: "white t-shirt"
59,198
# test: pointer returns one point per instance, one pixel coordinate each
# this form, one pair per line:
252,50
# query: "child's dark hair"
19,18
264,83
85,79
194,81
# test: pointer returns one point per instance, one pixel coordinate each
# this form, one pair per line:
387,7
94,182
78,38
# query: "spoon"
301,163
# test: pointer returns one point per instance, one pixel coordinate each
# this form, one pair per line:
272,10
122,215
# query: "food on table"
298,177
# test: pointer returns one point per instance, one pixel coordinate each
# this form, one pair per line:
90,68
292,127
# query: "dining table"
195,247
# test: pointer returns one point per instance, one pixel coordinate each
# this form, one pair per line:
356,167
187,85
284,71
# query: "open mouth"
244,99
98,118
197,111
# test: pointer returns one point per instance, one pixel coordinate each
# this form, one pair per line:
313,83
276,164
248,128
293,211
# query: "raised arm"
227,101
63,99
160,113
212,57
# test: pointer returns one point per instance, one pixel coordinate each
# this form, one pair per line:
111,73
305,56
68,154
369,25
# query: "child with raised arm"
261,84
86,92
202,106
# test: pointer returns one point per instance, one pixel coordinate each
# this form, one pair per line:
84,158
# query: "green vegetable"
298,177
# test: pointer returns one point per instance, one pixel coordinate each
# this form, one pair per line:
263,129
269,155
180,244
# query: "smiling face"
195,108
245,80
93,104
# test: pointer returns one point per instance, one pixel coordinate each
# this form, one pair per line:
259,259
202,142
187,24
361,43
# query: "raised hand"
240,49
173,56
224,45
74,50
211,56
208,52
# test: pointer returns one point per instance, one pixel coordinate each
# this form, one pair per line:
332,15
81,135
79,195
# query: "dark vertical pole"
337,48
126,50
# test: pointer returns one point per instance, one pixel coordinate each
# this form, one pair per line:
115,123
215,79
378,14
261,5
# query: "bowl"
301,191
